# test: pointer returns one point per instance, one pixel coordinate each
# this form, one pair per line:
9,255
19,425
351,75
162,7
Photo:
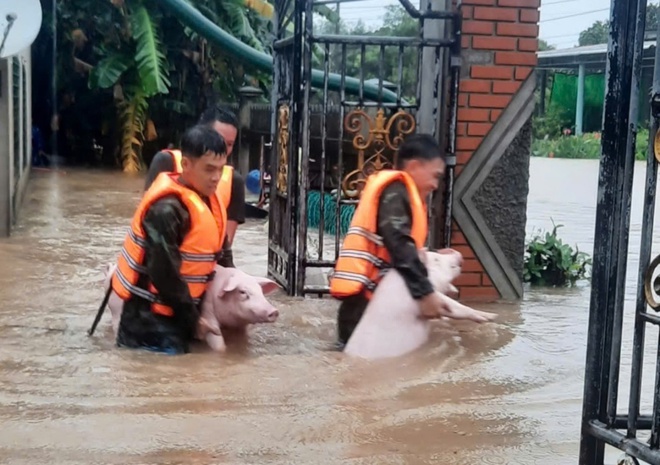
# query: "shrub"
552,123
586,146
550,262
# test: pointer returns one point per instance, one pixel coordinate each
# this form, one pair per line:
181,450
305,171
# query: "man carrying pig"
172,248
388,228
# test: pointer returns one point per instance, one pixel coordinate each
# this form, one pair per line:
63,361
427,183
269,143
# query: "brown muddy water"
503,393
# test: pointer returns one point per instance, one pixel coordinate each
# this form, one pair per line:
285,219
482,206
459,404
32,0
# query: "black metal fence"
338,123
602,423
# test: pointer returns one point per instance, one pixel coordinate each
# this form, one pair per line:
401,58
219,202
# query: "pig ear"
267,286
230,285
422,255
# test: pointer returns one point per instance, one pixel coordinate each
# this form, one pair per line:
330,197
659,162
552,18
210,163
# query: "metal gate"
342,105
635,431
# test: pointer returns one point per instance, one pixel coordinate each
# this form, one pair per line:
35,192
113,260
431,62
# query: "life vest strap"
137,239
132,263
378,262
198,257
150,296
375,238
348,276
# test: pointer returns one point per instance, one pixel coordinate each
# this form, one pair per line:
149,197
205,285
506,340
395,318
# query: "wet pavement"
502,393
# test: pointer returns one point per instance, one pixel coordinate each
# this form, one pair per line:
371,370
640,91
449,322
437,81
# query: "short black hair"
220,114
200,139
419,147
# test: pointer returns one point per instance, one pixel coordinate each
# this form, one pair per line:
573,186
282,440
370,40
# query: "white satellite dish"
20,21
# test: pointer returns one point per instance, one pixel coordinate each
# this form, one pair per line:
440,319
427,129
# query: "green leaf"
108,71
151,61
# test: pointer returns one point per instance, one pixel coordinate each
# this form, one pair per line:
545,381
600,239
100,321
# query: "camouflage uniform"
165,224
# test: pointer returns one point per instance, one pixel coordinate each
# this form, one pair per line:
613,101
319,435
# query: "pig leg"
115,304
208,328
209,331
216,342
457,311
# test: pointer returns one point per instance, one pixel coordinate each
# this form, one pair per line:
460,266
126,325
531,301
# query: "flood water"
503,393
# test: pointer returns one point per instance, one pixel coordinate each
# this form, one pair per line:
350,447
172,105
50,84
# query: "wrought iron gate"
634,432
334,125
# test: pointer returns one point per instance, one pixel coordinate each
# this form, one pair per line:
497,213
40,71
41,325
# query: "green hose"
191,17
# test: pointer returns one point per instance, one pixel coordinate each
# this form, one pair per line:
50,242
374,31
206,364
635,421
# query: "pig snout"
272,315
266,314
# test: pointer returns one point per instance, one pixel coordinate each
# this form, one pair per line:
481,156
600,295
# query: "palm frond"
151,61
109,70
132,116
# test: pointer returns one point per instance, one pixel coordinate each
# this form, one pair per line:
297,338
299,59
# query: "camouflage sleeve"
227,258
394,226
165,224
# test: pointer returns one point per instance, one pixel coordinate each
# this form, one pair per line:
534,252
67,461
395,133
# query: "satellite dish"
20,21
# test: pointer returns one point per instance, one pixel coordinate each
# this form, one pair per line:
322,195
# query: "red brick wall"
499,52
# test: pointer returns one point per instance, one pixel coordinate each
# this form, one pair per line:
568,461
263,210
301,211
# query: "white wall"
15,135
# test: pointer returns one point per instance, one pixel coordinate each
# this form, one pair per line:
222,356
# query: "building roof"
594,57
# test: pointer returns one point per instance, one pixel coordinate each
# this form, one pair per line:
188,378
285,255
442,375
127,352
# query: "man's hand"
431,306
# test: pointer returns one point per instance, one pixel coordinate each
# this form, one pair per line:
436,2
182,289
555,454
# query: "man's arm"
162,162
394,226
165,225
227,259
236,208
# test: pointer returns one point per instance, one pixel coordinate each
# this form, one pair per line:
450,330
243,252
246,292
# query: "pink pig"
233,300
391,325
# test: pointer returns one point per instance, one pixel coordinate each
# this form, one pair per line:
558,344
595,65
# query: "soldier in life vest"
388,228
171,249
232,186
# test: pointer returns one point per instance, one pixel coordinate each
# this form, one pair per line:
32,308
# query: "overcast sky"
561,20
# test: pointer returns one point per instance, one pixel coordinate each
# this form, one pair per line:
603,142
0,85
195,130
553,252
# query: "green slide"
192,18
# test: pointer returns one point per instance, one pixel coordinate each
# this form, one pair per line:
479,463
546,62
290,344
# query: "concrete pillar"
579,105
428,116
496,102
5,148
247,95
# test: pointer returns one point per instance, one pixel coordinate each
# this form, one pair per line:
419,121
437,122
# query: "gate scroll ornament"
379,139
283,143
653,288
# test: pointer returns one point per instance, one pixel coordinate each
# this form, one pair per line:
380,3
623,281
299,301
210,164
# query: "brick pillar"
499,39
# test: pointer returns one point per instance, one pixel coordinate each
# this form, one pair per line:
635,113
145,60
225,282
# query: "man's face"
228,133
426,174
203,174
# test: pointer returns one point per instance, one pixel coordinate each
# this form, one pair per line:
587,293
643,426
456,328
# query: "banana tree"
133,66
137,69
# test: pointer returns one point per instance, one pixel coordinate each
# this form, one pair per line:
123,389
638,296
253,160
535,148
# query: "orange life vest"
224,186
199,249
363,259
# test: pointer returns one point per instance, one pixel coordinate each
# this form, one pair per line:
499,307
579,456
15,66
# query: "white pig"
391,325
233,300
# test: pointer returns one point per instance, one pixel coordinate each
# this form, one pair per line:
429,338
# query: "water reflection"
503,393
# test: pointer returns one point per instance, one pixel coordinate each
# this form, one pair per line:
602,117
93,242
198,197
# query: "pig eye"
244,294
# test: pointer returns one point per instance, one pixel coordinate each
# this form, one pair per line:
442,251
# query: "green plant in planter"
550,262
